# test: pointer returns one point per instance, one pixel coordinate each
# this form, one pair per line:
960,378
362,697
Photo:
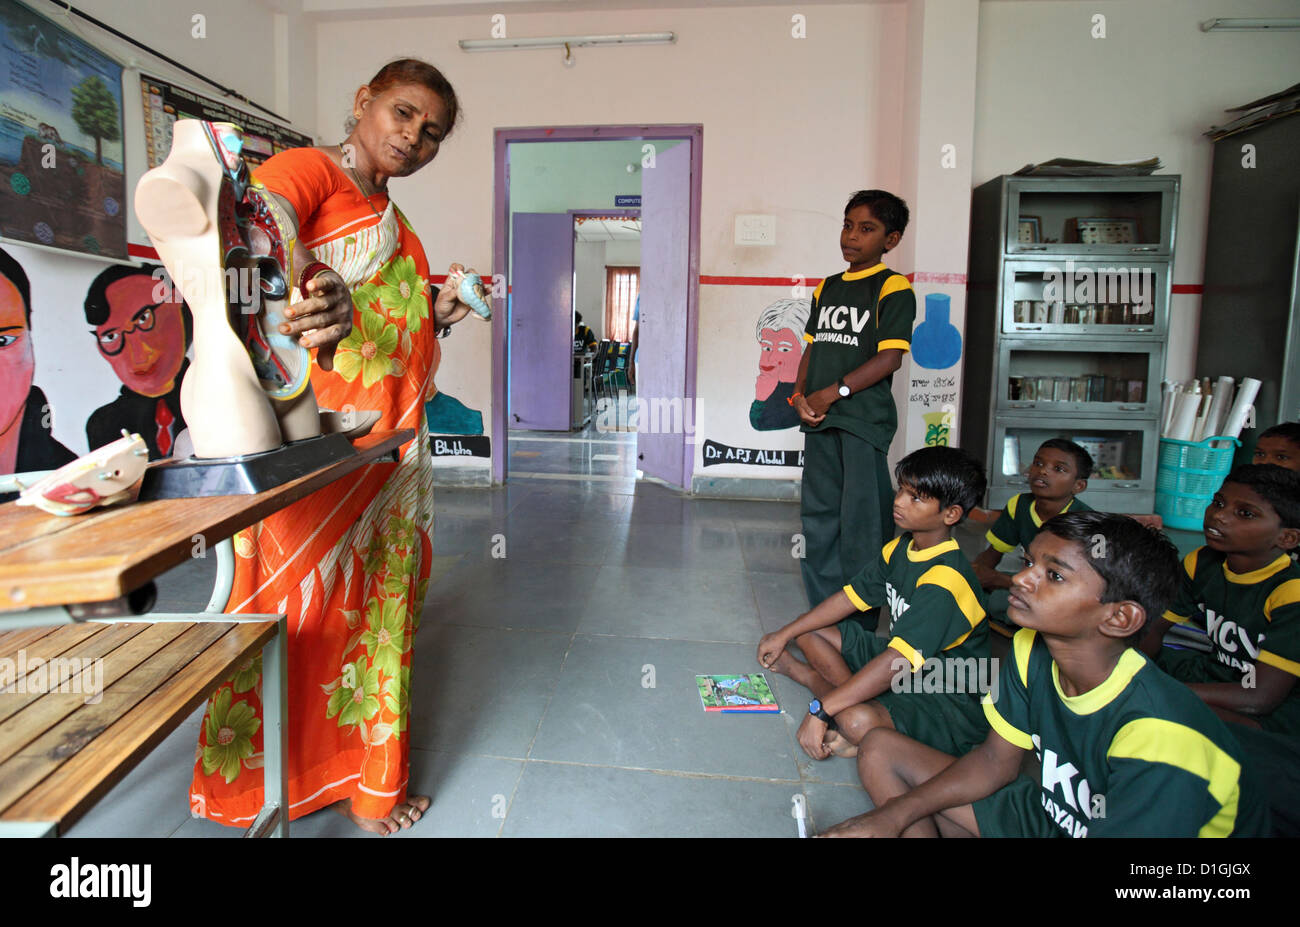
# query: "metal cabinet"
1066,322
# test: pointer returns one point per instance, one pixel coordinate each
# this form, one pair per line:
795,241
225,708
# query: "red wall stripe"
921,276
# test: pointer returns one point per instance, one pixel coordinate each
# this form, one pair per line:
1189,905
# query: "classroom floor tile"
553,678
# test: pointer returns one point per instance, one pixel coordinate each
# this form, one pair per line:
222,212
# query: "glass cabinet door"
1120,300
1105,378
1124,454
1109,217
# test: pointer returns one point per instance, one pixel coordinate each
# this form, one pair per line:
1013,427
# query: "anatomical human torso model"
227,246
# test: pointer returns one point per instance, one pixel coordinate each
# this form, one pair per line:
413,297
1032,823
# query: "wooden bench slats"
51,645
96,642
33,719
84,723
74,787
16,640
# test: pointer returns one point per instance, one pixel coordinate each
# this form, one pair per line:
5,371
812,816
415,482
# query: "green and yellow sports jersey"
855,316
1250,618
1137,756
1019,522
935,602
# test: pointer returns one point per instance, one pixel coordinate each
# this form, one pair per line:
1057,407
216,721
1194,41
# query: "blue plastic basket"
1188,474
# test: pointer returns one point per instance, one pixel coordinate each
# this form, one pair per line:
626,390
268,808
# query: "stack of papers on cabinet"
1071,167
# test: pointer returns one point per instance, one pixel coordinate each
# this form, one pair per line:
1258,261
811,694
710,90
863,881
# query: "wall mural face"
141,329
780,342
25,418
137,325
778,332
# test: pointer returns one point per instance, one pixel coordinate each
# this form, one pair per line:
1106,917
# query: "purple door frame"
500,244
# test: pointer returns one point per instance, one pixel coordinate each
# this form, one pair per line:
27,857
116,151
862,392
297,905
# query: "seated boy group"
1130,736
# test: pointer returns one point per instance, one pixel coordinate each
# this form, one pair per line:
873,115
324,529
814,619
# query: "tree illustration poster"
61,177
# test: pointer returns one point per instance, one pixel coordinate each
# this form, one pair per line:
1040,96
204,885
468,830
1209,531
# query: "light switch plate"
752,229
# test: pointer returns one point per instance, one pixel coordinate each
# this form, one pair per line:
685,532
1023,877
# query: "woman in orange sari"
348,564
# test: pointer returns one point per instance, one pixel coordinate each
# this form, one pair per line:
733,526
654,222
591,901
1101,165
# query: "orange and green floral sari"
348,564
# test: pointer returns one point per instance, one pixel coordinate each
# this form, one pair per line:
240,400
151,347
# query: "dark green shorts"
859,644
1274,763
1192,666
1015,810
953,723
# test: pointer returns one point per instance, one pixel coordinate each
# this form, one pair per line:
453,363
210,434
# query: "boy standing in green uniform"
1124,750
1243,591
936,622
858,329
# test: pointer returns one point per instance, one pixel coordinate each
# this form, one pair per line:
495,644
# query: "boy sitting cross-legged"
1124,750
1059,472
935,608
1243,591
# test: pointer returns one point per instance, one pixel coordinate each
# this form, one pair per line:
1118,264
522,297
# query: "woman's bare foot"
403,815
838,744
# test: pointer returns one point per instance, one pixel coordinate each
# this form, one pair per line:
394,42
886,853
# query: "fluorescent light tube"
1219,25
573,41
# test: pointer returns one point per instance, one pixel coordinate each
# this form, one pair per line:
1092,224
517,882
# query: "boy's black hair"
885,206
11,269
1136,563
948,474
1277,486
577,316
1083,462
1287,431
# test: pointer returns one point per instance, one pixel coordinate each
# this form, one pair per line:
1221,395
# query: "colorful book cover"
745,692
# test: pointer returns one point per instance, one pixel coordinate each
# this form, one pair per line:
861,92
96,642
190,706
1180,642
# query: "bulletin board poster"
164,103
62,184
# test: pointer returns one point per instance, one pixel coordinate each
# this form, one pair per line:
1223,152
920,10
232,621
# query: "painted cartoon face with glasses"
142,339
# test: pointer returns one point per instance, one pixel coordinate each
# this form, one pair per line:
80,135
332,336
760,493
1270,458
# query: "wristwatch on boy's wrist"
845,392
815,709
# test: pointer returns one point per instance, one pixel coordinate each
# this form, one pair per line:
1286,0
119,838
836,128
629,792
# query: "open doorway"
595,438
570,233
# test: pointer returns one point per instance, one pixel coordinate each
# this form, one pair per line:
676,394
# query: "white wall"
791,128
623,253
589,274
1046,88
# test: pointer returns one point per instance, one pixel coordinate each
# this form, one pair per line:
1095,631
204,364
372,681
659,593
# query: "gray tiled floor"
553,688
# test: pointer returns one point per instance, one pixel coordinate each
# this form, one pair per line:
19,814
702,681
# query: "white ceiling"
620,229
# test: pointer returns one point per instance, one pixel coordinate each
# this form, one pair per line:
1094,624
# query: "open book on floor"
743,692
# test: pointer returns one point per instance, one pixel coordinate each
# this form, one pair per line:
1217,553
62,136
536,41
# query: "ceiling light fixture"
1219,24
568,41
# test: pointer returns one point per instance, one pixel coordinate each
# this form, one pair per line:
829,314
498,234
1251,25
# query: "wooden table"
137,677
107,554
